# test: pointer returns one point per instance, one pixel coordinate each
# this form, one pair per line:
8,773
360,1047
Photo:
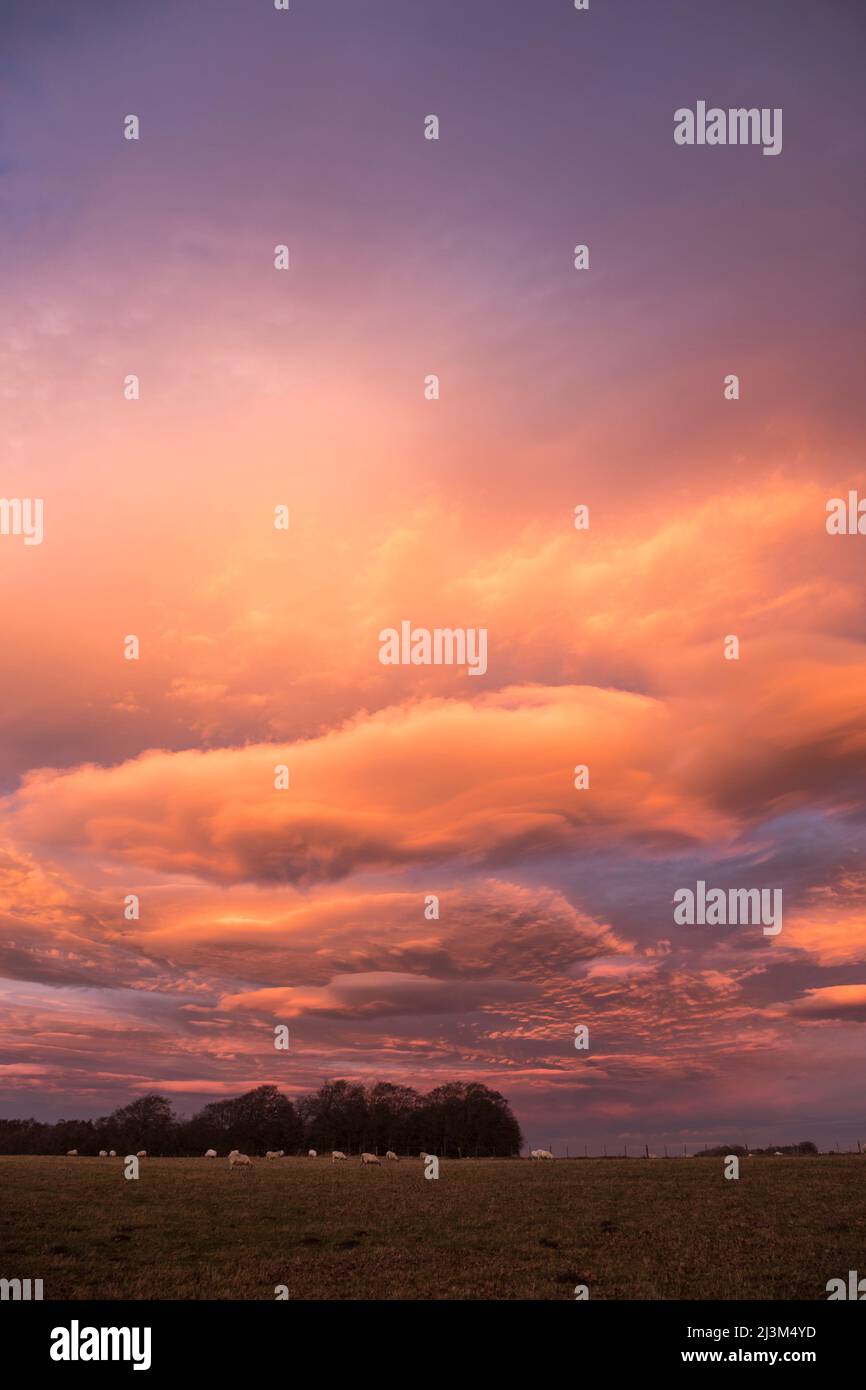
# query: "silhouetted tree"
462,1118
393,1114
147,1123
254,1122
456,1119
336,1117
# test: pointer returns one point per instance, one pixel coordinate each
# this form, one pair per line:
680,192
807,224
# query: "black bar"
264,1339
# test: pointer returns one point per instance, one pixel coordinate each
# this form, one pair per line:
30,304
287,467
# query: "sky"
259,647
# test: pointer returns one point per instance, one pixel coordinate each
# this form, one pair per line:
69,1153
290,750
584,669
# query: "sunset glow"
260,646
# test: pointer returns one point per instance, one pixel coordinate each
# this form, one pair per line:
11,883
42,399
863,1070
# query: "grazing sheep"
233,1151
103,1153
71,1153
370,1158
652,1155
312,1154
274,1153
778,1154
392,1156
335,1155
422,1155
237,1160
142,1153
112,1153
210,1153
541,1153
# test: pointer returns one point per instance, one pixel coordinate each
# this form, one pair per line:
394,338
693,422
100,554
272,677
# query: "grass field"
487,1229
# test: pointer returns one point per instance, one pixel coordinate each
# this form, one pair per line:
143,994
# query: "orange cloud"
844,1002
439,780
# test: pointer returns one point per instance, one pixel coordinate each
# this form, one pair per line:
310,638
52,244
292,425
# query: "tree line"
456,1120
804,1149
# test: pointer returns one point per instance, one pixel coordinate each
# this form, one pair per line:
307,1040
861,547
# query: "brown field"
488,1229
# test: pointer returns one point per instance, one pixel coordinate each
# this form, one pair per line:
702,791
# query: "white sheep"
238,1160
210,1153
274,1153
335,1155
392,1156
370,1158
312,1154
142,1153
541,1153
71,1153
112,1153
103,1153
